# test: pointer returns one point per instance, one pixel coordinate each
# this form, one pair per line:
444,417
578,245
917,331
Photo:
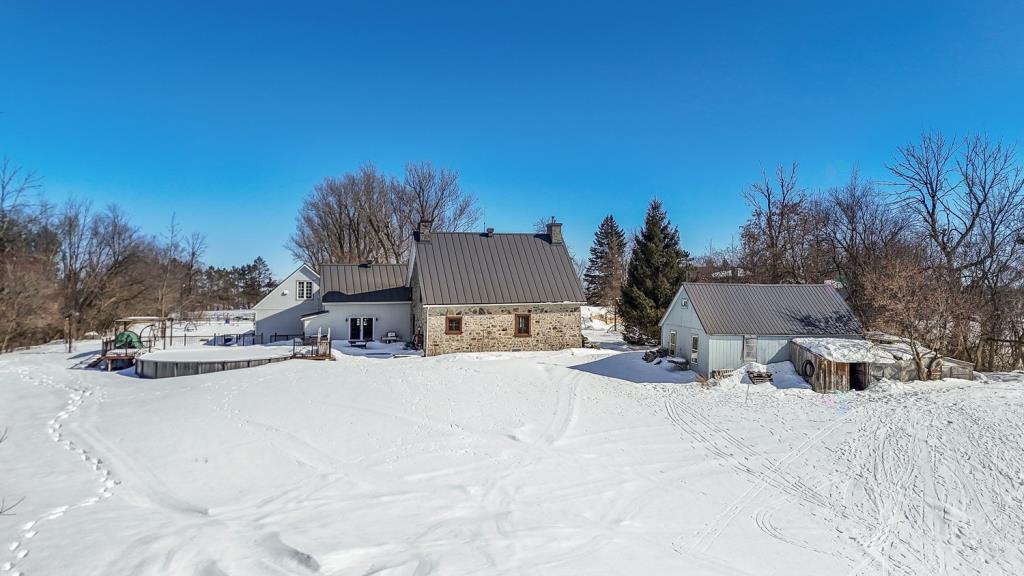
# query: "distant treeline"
92,266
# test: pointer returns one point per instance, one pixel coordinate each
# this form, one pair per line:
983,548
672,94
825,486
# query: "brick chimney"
555,232
423,231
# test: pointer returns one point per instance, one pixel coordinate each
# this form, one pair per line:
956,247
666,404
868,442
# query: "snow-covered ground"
573,462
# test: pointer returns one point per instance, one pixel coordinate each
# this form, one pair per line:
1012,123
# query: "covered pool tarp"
127,339
848,351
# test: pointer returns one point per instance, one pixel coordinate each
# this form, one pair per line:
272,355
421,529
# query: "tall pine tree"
606,269
656,268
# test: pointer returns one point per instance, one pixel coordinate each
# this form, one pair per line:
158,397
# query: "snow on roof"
901,348
846,350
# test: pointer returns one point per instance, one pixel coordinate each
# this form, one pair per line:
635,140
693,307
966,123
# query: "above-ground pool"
206,359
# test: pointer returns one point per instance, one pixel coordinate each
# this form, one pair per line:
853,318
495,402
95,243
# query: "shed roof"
772,309
478,268
364,283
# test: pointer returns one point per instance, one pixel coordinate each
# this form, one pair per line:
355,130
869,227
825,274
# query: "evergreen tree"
606,269
255,280
656,268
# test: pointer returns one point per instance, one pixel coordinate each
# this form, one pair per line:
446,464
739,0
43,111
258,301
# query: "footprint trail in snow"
18,549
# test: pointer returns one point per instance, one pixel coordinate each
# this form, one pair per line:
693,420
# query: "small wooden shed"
836,364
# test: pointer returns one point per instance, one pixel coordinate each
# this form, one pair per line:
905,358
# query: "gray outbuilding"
720,327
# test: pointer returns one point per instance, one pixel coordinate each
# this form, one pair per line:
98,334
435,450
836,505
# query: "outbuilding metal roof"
479,268
364,283
772,309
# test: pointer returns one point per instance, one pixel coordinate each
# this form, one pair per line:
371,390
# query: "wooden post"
67,331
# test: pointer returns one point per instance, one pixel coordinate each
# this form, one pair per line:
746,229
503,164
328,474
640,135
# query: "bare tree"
914,302
369,215
168,259
16,185
965,196
99,252
775,238
194,249
435,194
347,220
27,270
862,232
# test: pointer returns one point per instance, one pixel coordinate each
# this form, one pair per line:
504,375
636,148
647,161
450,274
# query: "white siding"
772,349
279,311
388,317
684,321
726,350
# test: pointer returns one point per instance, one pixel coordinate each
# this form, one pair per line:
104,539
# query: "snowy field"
574,462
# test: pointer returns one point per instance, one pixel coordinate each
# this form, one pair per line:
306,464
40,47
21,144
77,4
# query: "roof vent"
490,232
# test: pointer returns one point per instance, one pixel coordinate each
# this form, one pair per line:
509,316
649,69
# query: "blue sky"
228,113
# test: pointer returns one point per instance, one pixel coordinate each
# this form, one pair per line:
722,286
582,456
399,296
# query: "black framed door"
360,329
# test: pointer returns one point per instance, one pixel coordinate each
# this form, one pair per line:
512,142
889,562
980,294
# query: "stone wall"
490,328
418,317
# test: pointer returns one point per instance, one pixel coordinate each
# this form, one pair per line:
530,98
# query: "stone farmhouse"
460,292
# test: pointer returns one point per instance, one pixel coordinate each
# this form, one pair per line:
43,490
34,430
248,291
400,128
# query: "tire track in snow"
933,477
794,486
19,548
762,469
722,521
565,413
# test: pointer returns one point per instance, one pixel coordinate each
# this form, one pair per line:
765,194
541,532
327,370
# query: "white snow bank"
596,318
846,350
372,349
783,376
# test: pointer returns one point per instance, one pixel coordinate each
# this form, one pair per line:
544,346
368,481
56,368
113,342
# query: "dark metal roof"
476,268
772,309
364,283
